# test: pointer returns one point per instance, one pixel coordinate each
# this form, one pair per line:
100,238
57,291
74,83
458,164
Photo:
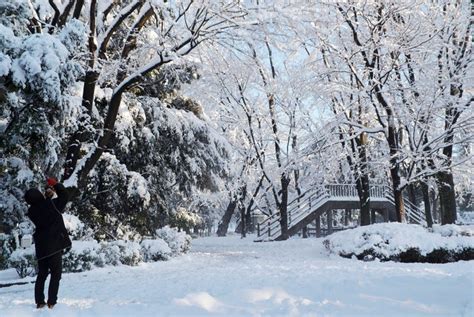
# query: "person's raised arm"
63,197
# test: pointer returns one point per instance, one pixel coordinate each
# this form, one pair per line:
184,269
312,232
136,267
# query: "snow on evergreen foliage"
186,220
163,154
41,62
37,71
76,228
162,157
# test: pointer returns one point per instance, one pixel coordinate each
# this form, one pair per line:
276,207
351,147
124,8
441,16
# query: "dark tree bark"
329,221
283,206
411,191
241,206
77,9
248,215
224,223
426,200
90,81
80,136
242,225
447,195
447,198
446,57
394,164
63,17
362,180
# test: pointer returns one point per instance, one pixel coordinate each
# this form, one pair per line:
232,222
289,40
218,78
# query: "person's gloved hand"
51,181
49,193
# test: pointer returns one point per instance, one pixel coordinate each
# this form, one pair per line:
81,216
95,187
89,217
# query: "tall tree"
120,57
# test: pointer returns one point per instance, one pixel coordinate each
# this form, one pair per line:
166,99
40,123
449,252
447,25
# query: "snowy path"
234,277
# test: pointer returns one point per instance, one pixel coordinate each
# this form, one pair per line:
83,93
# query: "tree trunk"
362,179
329,221
399,204
78,9
447,198
243,221
435,199
248,216
411,190
80,136
363,191
243,225
249,225
426,200
285,182
224,223
395,168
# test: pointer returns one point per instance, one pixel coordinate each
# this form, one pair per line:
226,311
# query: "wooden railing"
413,213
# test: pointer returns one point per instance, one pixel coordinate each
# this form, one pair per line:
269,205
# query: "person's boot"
40,305
50,306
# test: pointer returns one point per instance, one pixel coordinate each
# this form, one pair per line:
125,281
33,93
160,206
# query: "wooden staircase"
315,202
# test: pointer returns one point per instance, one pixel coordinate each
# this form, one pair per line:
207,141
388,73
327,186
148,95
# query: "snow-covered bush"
24,261
6,248
404,243
82,256
454,230
85,255
155,250
129,252
109,254
179,242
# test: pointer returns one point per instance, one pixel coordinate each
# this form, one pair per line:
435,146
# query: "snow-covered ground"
237,277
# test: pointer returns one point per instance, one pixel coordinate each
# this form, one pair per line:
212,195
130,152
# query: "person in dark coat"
51,237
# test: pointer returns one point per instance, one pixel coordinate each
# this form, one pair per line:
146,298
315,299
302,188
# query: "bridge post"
318,227
258,229
347,216
329,221
269,228
372,215
305,232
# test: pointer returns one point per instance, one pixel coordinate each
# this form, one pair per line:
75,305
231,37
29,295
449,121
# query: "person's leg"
40,279
55,266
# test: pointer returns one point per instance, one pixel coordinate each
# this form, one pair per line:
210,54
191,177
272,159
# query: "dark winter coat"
50,235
